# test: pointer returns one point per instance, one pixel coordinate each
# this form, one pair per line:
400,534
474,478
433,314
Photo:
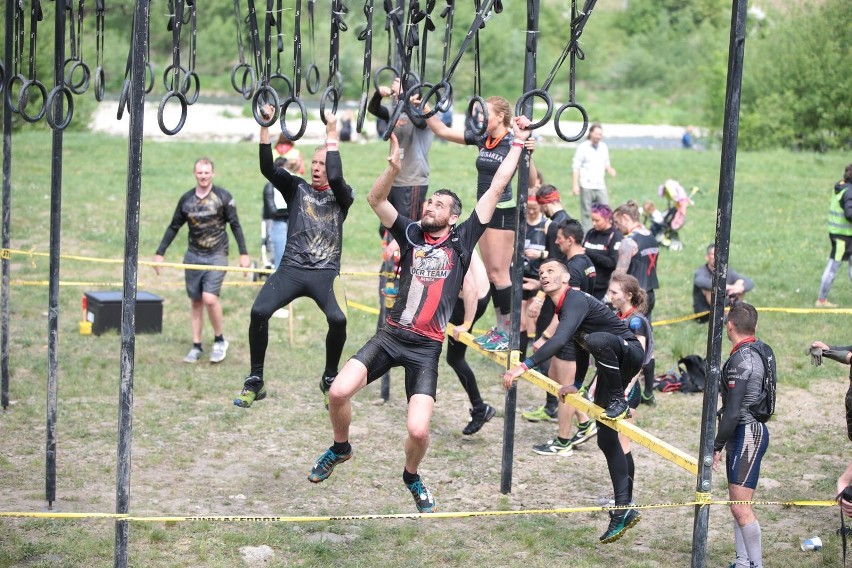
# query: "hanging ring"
173,94
583,127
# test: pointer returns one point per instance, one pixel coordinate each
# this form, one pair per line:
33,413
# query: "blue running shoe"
619,522
325,465
422,497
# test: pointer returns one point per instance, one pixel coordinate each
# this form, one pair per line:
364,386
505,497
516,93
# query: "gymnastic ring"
394,117
79,87
186,84
304,113
470,121
123,102
51,96
362,112
257,103
382,70
558,115
100,84
329,93
149,75
541,93
245,88
433,90
10,88
312,79
24,98
2,77
169,72
280,77
173,94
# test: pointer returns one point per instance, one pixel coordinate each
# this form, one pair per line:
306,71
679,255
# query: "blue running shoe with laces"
325,465
422,496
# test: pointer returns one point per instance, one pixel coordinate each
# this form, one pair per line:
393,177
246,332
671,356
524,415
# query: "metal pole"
55,245
7,206
724,212
131,260
518,266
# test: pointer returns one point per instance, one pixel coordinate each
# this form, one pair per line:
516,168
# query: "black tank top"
643,265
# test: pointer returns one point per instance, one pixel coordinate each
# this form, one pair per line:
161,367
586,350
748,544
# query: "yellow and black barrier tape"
659,447
391,516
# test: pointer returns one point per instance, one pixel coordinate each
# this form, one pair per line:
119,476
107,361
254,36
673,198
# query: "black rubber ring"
82,85
69,99
149,73
175,94
541,93
169,72
558,115
24,98
186,84
381,70
312,79
478,129
280,77
123,99
255,101
433,90
304,116
100,84
246,90
329,93
10,88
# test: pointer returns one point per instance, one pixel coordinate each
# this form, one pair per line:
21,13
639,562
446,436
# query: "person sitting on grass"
702,286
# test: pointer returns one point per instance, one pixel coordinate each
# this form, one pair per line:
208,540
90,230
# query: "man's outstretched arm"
378,197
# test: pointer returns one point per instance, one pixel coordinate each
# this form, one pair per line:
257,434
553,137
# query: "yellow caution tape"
439,515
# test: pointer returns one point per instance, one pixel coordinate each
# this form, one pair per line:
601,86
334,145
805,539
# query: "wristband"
517,143
527,364
545,336
330,143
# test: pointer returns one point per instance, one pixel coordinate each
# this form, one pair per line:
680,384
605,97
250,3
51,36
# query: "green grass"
195,454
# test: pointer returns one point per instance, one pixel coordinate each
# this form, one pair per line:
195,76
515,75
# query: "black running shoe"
616,410
422,496
478,419
325,465
619,522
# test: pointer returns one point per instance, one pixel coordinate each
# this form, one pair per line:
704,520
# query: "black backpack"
693,373
764,408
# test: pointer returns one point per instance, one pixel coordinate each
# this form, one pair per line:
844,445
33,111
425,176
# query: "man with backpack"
747,387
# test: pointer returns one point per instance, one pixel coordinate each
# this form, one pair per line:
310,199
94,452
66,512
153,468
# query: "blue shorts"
745,451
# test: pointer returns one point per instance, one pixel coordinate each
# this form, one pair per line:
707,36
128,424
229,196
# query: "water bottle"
390,293
813,543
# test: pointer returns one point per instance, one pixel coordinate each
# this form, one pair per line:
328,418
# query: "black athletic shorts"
408,200
504,219
418,355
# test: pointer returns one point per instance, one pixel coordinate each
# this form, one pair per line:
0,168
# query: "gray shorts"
200,281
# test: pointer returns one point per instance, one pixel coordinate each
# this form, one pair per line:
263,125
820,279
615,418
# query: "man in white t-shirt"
591,163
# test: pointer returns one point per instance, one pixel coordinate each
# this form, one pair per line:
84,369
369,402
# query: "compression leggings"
284,286
828,276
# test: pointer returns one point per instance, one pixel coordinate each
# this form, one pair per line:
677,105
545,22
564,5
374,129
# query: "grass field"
196,454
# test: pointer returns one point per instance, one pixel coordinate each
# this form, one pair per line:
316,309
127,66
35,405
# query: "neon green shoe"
540,414
253,389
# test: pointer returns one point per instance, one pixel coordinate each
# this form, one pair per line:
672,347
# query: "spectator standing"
591,163
275,216
840,235
207,209
601,243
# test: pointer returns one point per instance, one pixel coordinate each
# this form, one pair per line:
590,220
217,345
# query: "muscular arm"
626,252
488,202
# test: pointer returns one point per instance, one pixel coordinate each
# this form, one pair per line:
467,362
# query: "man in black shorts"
435,256
618,357
311,264
207,209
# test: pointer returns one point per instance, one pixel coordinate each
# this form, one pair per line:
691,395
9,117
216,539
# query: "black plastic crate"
103,310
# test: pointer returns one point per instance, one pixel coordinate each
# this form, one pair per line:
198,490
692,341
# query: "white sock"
751,539
742,553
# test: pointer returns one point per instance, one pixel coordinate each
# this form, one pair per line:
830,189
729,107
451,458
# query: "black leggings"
284,286
616,462
456,351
